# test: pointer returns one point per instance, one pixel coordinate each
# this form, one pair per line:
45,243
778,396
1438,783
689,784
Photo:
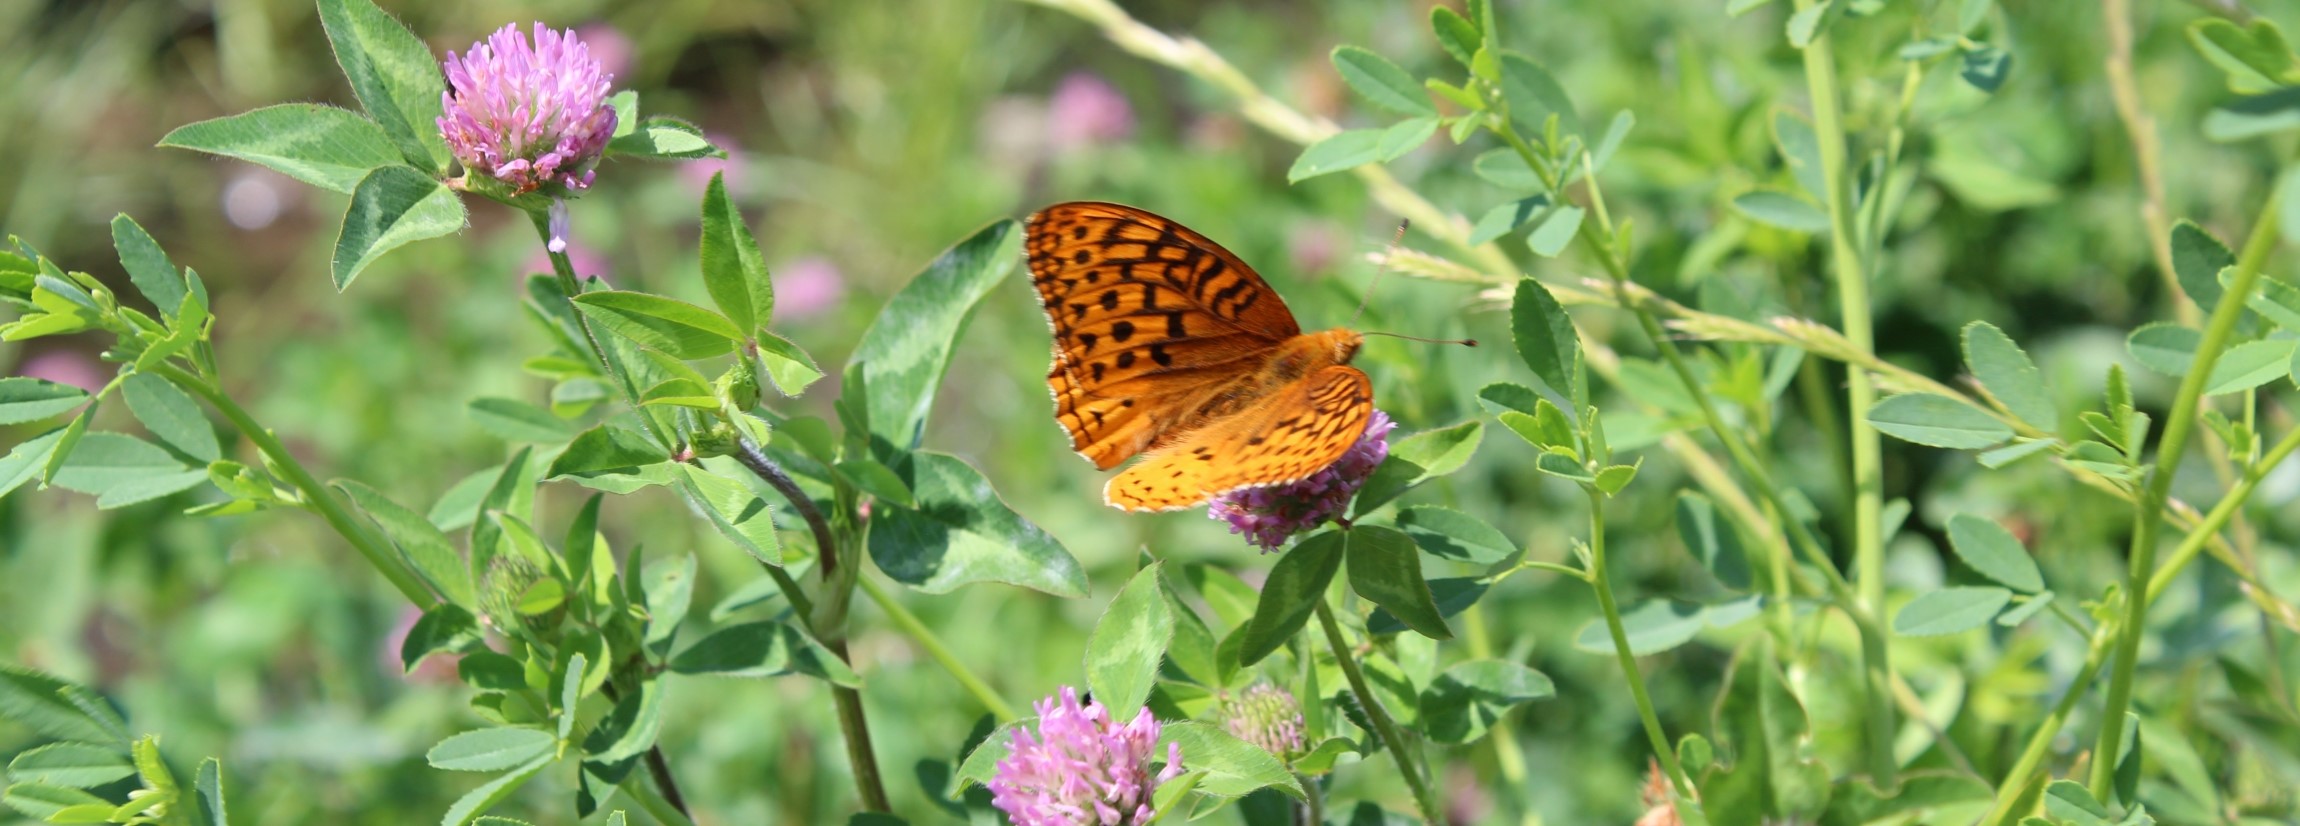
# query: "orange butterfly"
1168,346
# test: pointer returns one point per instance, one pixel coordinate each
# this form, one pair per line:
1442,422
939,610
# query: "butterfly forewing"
1149,320
1295,433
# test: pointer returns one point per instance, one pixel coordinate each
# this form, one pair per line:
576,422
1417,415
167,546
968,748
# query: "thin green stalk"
654,804
319,496
2190,547
926,638
2178,422
1601,581
1852,280
1391,739
1500,733
1313,811
2039,742
2221,514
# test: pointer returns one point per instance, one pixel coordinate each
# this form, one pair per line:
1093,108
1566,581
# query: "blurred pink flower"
438,668
1085,109
608,45
1312,246
64,366
807,286
697,173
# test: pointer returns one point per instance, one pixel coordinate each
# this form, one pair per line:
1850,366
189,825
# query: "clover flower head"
1083,768
532,115
1267,716
1271,514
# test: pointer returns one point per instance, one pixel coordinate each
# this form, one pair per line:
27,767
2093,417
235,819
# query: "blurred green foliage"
866,138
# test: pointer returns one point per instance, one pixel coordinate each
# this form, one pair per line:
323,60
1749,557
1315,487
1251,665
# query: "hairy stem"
1601,581
2146,519
318,496
1388,731
1852,280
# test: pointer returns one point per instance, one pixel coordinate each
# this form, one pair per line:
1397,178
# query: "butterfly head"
1340,344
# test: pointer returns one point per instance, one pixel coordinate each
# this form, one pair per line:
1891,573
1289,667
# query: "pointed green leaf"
394,74
324,146
513,420
490,749
734,271
960,532
1781,209
26,399
480,799
423,545
762,649
2008,374
1939,421
1233,767
171,415
907,348
1950,610
2164,347
392,207
1381,82
1470,697
1546,339
148,266
1129,642
1347,149
732,507
1994,552
1386,569
1296,583
1651,628
674,327
789,368
2249,365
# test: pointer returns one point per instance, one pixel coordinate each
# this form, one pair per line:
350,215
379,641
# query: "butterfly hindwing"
1149,320
1298,431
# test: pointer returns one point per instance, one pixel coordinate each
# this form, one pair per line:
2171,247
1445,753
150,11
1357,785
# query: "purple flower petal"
1272,514
1083,768
529,114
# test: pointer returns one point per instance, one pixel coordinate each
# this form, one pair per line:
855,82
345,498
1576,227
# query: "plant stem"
2146,519
826,547
1388,731
657,807
2229,507
1868,468
1601,581
2040,741
320,497
1313,810
926,638
830,631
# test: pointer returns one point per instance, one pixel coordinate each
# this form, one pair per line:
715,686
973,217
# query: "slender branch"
655,804
2171,446
1387,730
2221,514
1601,581
320,497
2039,742
826,548
1852,280
926,638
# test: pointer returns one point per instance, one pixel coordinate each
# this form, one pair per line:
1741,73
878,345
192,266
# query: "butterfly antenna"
1465,342
1391,253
